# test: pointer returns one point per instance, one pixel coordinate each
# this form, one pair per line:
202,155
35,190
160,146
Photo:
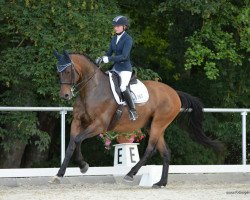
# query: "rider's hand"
105,59
98,61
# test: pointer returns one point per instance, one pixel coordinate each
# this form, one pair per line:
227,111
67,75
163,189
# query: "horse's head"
68,75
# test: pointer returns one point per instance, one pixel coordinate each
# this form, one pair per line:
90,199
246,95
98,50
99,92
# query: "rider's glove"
105,59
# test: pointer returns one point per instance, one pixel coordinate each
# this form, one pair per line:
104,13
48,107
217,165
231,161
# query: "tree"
201,47
217,54
30,31
206,45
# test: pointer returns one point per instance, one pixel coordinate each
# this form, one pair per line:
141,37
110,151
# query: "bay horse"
95,106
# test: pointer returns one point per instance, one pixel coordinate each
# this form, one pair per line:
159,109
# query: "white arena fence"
149,170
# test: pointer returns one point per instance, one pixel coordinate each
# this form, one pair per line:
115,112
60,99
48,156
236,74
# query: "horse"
95,106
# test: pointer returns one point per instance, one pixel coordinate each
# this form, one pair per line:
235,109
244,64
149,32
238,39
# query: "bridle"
72,75
75,87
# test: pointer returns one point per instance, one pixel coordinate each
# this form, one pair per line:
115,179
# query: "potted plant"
111,137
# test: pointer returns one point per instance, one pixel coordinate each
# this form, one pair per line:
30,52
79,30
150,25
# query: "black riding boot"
127,97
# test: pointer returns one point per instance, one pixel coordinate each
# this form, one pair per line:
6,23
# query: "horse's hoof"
85,168
158,186
55,180
128,178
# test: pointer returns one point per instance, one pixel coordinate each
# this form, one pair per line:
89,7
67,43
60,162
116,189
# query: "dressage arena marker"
126,154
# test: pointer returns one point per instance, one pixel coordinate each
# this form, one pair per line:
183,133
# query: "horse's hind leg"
148,153
79,159
165,154
156,139
150,150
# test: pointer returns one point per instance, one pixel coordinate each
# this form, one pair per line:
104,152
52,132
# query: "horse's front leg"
68,155
79,159
75,128
69,152
92,130
75,141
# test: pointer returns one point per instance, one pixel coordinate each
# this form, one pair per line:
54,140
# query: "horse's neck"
96,98
98,82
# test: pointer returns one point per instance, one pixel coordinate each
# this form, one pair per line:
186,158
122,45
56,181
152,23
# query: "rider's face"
118,29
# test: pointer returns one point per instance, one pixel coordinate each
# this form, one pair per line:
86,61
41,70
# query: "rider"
119,53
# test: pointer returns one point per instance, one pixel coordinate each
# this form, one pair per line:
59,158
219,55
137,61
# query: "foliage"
185,150
147,74
227,131
201,47
30,31
24,128
207,48
218,47
218,40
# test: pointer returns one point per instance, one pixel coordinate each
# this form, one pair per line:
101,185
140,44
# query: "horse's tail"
195,118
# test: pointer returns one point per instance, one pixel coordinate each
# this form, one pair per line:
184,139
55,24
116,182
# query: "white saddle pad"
139,92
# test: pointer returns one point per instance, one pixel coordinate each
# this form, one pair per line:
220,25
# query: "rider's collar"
121,33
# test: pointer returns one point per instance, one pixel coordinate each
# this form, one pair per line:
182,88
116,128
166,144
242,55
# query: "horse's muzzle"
66,96
65,92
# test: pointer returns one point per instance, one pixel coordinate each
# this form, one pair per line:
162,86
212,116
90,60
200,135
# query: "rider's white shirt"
119,36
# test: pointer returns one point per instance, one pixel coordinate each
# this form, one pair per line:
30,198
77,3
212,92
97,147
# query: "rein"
74,87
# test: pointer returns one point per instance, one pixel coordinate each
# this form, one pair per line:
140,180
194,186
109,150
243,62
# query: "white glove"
105,59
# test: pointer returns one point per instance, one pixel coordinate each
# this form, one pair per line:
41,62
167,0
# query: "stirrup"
133,115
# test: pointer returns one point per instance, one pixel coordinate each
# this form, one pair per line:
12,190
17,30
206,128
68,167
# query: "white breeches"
125,78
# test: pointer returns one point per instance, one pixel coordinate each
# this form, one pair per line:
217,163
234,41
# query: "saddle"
138,90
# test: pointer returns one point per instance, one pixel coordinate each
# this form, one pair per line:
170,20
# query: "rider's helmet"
120,21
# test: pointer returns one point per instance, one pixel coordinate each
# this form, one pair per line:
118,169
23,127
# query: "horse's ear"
66,53
57,55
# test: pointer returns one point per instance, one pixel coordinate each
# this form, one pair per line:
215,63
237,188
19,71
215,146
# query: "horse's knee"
79,138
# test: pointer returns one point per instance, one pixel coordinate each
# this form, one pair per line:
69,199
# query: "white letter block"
126,154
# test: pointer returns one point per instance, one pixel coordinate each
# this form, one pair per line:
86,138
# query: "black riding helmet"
120,21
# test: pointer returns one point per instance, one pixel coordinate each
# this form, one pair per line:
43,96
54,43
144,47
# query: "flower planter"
125,139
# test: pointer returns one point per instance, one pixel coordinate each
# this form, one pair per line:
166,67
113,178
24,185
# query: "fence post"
244,140
63,113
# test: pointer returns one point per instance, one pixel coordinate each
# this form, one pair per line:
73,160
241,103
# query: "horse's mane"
90,59
86,56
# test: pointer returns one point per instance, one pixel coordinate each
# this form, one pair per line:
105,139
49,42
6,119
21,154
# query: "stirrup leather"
133,115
